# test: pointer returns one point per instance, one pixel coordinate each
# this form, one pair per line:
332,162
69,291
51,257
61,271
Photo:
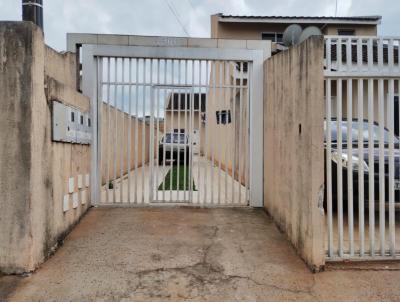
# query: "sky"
183,17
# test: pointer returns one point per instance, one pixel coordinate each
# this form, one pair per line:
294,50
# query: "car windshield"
354,132
175,138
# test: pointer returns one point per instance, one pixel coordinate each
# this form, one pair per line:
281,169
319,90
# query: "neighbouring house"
272,27
179,106
348,29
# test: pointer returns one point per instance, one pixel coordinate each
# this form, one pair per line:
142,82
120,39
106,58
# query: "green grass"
173,173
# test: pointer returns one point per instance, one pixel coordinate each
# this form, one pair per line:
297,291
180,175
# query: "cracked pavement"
190,254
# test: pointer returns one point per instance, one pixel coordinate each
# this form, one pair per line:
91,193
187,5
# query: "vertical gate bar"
359,54
349,59
350,210
198,146
390,113
339,165
108,141
191,106
171,155
190,166
247,112
158,131
220,91
151,136
121,144
129,130
143,157
208,78
370,53
397,162
226,100
186,130
371,161
136,129
165,125
115,129
390,56
242,124
361,164
339,54
179,129
380,53
381,167
100,102
212,138
329,164
233,96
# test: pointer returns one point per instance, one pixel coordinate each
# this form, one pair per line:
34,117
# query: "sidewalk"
180,254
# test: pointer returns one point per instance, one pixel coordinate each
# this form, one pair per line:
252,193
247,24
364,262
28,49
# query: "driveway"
213,186
190,254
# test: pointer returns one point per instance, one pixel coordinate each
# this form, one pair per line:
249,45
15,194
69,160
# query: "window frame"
339,30
276,35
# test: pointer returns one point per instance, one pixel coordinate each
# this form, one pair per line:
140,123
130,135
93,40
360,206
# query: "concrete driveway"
189,254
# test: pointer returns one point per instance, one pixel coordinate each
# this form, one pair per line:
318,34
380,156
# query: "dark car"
174,146
365,162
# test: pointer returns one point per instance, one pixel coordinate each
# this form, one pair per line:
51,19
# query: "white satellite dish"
291,35
308,32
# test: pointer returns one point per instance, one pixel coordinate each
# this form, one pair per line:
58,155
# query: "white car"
174,146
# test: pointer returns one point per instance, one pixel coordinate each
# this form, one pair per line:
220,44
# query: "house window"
346,32
396,115
273,36
239,66
223,117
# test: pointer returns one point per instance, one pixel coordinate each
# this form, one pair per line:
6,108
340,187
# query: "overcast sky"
154,17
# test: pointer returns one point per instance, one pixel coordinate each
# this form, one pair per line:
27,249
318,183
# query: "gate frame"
256,76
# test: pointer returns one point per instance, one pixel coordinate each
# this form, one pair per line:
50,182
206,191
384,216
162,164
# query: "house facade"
179,106
272,27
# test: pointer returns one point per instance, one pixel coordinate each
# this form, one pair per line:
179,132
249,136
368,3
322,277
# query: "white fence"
362,155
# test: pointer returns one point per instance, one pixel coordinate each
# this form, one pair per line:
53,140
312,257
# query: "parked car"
174,146
365,162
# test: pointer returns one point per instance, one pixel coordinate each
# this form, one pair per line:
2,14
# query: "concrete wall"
294,150
115,140
34,171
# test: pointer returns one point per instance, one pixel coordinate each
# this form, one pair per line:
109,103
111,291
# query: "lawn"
173,185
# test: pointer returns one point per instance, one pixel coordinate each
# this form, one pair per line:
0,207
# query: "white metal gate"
173,125
362,147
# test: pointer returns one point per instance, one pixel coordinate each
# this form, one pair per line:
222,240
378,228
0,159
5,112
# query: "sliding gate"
173,125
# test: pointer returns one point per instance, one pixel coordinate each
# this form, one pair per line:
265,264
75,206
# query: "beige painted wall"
34,171
293,150
225,143
177,120
115,142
